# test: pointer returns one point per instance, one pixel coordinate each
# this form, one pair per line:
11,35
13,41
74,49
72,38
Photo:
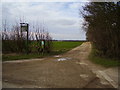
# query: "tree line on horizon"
102,28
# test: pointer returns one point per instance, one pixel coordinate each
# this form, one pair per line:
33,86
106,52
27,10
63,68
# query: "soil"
69,70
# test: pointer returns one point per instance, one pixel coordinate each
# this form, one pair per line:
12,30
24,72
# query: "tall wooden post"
27,38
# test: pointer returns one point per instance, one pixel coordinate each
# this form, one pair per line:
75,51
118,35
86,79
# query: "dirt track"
71,70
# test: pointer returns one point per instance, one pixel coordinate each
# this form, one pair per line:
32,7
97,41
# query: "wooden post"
27,39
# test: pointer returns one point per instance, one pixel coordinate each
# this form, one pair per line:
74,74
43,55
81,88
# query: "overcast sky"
62,19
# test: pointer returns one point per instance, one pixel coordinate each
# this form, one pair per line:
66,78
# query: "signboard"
24,28
42,42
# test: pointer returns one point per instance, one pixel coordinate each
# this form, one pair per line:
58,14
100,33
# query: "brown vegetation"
14,39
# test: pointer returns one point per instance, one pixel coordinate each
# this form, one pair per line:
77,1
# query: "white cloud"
76,5
47,0
60,18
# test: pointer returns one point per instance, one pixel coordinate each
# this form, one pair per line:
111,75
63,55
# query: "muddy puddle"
81,63
83,75
57,56
63,59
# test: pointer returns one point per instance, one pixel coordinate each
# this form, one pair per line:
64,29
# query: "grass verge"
106,62
20,56
59,47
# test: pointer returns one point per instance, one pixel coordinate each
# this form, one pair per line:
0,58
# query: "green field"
59,47
63,46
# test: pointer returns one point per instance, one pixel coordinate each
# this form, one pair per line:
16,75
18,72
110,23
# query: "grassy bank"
59,47
106,62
